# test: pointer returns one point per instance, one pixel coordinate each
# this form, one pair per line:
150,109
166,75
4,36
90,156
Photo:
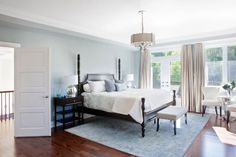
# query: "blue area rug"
126,136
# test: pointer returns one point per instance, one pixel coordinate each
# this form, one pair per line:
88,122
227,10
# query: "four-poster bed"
146,115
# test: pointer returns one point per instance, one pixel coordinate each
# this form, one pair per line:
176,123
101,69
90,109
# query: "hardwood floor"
63,144
207,144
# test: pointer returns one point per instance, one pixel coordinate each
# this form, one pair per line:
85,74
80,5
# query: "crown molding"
13,15
20,17
8,44
207,37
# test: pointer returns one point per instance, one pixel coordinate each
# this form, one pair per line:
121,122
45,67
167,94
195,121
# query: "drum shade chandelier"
142,39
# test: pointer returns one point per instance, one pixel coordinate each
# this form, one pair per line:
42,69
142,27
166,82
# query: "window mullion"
225,64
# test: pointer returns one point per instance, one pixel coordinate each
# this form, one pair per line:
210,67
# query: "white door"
32,92
166,72
165,75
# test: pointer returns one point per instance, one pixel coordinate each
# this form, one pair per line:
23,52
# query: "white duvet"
128,102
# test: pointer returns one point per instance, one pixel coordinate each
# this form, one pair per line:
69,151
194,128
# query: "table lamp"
70,83
129,79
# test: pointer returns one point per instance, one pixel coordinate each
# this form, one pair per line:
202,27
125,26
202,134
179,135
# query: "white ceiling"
117,19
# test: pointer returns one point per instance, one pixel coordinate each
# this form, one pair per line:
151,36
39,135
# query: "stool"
171,113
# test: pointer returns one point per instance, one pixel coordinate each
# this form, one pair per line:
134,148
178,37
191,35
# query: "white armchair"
211,99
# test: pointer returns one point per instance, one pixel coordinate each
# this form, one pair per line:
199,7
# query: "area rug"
126,136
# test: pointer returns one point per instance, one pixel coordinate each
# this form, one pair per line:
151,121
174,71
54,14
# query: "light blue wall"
96,57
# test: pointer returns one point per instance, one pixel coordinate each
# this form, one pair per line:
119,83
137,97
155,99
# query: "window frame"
224,45
165,49
164,59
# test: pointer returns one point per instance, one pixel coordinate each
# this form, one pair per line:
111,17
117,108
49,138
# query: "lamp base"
71,91
129,84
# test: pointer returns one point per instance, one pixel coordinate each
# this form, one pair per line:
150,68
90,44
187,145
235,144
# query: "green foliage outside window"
214,54
175,69
158,54
168,53
173,53
175,73
232,53
156,68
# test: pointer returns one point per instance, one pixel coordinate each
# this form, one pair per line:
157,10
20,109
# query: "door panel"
32,79
165,75
175,75
32,92
156,74
35,101
26,59
32,120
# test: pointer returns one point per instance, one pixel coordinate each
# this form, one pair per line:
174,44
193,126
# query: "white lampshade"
130,77
70,80
144,39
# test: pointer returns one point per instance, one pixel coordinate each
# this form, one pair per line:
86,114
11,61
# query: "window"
175,74
166,69
168,53
214,66
231,69
156,74
220,64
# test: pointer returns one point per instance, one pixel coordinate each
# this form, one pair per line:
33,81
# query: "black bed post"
174,97
119,76
78,73
143,110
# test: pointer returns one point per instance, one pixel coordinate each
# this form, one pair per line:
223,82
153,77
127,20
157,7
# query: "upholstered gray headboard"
99,77
96,77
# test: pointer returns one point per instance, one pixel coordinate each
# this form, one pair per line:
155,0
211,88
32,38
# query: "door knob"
45,97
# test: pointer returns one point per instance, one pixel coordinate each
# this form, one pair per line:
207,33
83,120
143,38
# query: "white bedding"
128,102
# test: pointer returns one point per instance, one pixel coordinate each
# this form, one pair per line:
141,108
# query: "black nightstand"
70,106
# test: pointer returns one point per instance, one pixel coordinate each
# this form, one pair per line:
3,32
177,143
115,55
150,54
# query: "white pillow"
97,86
86,88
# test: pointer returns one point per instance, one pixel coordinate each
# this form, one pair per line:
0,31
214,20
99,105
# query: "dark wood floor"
63,144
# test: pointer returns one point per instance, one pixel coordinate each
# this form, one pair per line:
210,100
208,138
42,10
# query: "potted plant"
229,86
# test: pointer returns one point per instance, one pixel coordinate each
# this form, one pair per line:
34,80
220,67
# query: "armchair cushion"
211,103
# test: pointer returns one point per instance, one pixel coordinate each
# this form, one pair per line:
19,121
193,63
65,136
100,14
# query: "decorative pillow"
120,86
110,85
97,86
86,88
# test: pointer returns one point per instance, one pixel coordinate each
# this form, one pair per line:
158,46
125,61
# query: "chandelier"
142,39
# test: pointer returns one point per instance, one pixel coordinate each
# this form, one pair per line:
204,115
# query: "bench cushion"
171,113
211,103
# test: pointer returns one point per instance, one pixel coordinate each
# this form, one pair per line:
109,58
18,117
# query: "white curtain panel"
192,68
187,76
145,69
199,75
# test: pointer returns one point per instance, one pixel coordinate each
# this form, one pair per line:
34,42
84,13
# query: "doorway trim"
8,44
11,45
165,69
